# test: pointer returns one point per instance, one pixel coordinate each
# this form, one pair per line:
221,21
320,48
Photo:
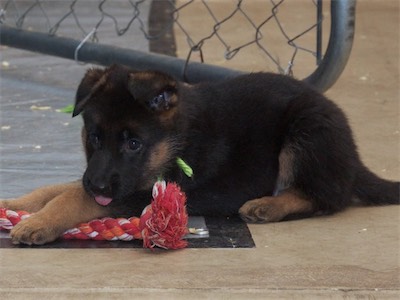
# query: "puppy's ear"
93,79
154,90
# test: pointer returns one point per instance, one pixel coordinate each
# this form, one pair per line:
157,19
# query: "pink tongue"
103,200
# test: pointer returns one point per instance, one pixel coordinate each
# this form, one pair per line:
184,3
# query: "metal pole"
107,55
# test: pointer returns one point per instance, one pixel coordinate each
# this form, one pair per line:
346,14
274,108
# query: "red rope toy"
162,224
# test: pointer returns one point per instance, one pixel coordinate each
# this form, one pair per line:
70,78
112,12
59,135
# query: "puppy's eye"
134,145
158,100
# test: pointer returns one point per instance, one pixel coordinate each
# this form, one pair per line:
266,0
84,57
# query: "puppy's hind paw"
278,208
261,210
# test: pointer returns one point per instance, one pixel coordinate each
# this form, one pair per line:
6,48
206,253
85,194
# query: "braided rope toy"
163,223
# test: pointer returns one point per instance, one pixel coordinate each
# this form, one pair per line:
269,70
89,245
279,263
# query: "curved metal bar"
330,68
339,45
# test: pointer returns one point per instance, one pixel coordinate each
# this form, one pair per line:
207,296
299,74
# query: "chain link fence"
281,32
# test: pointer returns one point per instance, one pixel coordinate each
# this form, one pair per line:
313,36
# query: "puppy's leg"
288,201
274,209
316,169
65,211
38,198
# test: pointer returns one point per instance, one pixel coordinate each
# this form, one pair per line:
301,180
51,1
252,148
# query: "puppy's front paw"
33,231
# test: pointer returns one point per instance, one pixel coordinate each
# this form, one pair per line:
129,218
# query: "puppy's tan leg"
274,209
38,198
65,211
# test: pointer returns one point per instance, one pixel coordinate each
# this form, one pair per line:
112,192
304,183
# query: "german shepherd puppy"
265,146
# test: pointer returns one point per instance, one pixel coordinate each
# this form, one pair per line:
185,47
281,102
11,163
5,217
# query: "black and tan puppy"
262,145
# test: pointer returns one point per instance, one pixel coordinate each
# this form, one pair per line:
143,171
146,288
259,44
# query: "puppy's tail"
370,189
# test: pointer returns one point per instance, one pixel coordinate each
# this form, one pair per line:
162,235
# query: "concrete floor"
353,254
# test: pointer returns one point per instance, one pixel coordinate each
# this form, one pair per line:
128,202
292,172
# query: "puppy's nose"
99,187
97,183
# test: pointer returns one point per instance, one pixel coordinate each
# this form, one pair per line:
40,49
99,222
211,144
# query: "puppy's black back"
241,130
